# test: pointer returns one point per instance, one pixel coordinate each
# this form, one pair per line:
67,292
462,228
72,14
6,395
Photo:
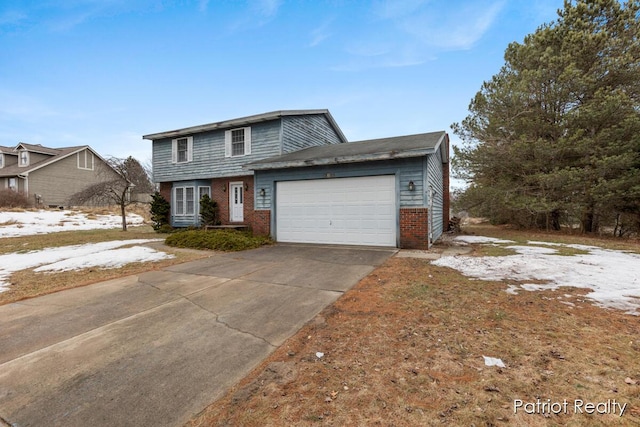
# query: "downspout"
26,183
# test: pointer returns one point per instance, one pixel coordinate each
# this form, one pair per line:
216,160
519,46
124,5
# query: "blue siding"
434,180
188,220
208,154
405,170
300,132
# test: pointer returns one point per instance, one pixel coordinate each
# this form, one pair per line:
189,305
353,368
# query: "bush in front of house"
209,212
217,240
13,199
160,209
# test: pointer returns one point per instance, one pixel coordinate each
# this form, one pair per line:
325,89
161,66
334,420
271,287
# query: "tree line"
553,139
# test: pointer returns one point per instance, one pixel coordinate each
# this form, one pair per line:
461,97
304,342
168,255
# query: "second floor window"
24,158
182,150
237,142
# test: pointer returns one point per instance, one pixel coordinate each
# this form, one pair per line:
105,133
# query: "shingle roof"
242,121
374,149
60,153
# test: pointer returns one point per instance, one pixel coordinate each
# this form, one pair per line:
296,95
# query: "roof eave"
339,160
240,122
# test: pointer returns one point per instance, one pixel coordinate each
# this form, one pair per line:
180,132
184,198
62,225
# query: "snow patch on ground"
44,222
480,239
613,276
76,257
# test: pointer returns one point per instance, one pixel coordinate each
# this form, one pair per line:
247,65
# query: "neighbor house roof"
55,153
7,150
37,148
243,121
375,149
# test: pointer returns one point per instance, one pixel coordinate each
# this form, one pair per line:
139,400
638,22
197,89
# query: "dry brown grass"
28,284
404,348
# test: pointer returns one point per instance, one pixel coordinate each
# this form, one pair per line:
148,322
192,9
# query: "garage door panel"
357,211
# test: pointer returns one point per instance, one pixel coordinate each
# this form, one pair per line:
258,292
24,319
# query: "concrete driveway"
156,349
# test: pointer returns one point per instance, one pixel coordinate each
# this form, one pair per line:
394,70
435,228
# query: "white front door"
236,202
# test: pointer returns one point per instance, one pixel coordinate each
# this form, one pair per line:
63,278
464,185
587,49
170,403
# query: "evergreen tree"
555,135
208,211
160,210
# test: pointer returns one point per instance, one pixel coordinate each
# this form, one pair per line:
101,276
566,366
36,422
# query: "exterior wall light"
224,187
412,186
262,192
246,187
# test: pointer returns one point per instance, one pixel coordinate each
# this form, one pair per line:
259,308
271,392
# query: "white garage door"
352,211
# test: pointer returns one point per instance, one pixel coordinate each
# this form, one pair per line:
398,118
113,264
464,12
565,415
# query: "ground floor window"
184,201
204,190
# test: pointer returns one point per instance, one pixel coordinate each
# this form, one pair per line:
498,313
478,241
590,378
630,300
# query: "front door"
236,204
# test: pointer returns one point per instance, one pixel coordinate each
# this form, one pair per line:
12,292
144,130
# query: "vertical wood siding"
434,179
300,132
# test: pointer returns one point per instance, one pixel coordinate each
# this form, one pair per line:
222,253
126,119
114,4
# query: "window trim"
26,157
1,160
174,149
208,193
91,156
13,187
228,143
184,201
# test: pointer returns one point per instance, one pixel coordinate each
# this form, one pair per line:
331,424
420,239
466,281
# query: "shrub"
217,240
13,199
160,210
209,211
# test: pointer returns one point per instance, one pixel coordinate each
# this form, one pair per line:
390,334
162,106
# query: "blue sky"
106,72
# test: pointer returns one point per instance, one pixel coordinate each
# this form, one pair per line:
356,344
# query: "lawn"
405,347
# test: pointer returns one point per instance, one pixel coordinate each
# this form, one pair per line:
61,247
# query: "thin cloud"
459,29
391,9
320,34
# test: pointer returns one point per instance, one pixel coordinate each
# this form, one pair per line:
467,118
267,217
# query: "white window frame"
23,161
1,160
228,143
182,208
14,186
174,149
201,193
87,155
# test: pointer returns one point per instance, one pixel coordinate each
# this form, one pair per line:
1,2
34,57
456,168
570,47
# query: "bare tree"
120,178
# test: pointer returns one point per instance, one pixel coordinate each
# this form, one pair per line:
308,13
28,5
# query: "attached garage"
352,211
384,192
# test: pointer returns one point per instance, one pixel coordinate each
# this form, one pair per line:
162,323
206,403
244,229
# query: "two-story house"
293,175
50,176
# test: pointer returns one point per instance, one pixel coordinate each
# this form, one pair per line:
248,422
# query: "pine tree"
208,211
555,135
160,210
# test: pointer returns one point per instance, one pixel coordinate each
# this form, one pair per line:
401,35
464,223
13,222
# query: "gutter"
338,160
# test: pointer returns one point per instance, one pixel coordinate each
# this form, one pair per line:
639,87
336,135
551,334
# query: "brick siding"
414,228
220,194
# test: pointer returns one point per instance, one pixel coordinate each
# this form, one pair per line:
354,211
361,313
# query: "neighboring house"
50,176
293,175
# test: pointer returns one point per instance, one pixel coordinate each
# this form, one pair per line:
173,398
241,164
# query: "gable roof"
243,121
374,149
59,154
37,148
